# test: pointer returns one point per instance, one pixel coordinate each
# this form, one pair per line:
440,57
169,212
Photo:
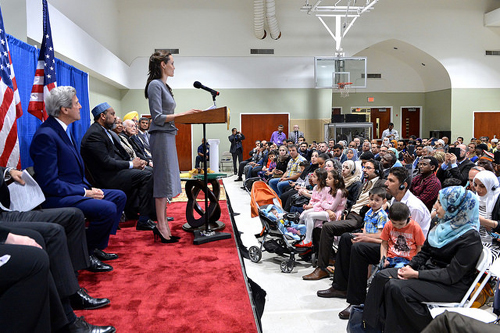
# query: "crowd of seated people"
411,176
393,189
344,189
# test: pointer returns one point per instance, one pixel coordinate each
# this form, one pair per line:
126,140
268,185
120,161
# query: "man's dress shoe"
81,300
147,225
332,293
98,266
346,313
103,256
317,274
81,326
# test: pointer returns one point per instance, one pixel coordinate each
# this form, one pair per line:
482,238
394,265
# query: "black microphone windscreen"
197,84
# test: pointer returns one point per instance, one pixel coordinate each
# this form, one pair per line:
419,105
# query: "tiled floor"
291,303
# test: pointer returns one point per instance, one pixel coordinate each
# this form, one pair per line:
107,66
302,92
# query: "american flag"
10,106
45,76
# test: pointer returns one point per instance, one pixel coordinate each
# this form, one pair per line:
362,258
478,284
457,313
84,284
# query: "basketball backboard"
329,71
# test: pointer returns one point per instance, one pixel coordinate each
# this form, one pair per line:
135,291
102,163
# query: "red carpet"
177,287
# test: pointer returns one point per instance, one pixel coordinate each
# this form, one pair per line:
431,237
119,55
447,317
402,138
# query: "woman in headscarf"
487,188
352,181
352,154
441,272
396,153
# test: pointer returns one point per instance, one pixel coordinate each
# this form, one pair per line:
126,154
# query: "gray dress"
167,182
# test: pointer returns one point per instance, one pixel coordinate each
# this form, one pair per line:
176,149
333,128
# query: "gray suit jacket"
292,136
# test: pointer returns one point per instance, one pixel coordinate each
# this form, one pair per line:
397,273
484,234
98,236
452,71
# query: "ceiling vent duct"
259,15
265,12
272,21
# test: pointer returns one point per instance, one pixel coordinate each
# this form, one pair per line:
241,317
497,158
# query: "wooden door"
380,117
410,122
486,124
183,145
260,127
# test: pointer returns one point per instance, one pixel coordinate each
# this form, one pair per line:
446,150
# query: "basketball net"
343,87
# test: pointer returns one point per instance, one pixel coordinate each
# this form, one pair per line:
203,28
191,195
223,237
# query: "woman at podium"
167,183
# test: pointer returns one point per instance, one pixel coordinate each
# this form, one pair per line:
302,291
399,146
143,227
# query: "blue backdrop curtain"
24,60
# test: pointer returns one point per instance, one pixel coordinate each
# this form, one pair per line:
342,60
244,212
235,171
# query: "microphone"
198,85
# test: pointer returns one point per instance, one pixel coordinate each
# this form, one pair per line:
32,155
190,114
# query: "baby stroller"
274,237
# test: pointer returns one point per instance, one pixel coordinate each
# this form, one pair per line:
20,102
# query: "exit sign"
371,99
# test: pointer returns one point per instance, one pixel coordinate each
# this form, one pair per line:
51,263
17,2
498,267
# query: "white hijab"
490,181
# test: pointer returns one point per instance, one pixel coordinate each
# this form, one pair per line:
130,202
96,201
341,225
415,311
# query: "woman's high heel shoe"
174,237
157,235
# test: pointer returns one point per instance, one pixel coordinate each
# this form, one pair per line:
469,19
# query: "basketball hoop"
343,87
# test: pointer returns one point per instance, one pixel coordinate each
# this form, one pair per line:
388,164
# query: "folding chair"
482,268
478,314
226,158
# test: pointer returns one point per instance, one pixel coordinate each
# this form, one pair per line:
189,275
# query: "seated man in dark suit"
141,137
111,167
456,166
60,171
143,134
128,136
72,219
64,234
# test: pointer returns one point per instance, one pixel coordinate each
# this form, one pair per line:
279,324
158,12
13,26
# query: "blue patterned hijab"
355,153
461,215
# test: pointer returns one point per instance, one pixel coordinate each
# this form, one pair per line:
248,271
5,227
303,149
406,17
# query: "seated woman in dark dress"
281,161
441,272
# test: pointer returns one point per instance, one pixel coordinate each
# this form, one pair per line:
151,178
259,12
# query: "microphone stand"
207,235
207,232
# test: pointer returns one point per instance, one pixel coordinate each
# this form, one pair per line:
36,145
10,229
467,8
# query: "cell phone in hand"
455,151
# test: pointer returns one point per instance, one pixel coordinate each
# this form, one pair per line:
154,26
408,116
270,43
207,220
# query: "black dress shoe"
331,293
83,301
236,214
346,313
170,219
147,225
239,179
98,266
103,256
81,326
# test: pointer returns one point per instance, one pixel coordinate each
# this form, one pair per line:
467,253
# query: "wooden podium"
212,116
